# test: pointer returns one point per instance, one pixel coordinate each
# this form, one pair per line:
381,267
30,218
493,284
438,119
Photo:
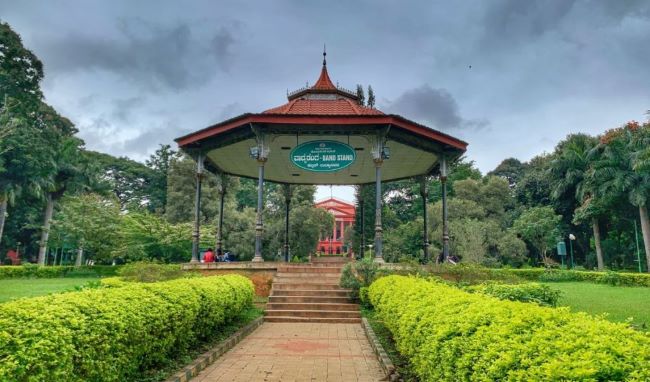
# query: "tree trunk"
3,212
645,228
45,234
599,249
80,255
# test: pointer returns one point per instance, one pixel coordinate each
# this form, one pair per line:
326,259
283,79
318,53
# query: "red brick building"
343,217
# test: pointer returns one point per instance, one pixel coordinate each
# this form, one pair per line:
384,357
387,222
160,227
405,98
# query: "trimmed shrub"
34,271
611,278
451,335
525,292
114,334
148,272
358,274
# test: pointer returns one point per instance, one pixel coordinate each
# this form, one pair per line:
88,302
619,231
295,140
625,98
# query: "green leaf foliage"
451,335
114,334
525,292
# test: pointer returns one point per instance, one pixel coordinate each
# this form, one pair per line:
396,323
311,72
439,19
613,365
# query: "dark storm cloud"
433,106
133,74
151,55
124,108
222,43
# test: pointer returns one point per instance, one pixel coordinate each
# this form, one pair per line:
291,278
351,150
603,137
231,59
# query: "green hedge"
611,278
32,270
451,335
524,292
114,334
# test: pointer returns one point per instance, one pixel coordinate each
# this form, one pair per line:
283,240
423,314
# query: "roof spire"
324,56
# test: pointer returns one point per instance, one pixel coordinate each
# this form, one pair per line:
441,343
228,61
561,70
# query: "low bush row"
524,292
115,334
611,278
32,270
451,335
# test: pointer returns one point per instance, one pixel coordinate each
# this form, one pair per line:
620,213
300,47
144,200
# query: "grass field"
620,303
16,288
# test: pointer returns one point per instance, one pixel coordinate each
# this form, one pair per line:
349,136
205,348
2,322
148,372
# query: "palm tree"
623,170
570,170
67,160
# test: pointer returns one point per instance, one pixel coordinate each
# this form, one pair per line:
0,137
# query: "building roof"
323,98
322,111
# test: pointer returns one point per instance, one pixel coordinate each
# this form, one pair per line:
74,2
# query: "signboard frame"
322,143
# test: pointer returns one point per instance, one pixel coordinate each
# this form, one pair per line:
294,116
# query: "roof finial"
324,55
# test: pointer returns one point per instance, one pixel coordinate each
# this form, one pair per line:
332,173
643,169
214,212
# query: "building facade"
343,213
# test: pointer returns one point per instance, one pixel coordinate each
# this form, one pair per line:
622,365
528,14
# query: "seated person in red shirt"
208,256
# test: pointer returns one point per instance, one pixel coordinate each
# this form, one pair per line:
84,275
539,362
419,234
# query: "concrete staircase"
310,293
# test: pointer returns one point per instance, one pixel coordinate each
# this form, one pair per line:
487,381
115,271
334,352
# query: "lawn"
11,289
620,303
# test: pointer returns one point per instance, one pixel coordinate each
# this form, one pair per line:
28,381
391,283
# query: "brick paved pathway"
298,352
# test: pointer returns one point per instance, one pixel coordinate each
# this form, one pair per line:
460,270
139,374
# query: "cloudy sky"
511,77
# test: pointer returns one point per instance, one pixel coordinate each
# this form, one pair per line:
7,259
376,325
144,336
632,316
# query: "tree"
20,95
620,170
67,172
361,97
511,169
89,222
181,183
572,186
130,181
159,163
539,226
371,97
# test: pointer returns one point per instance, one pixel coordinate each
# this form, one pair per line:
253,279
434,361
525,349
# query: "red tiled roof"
324,82
338,106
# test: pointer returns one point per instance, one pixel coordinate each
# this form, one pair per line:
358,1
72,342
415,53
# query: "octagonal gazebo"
322,135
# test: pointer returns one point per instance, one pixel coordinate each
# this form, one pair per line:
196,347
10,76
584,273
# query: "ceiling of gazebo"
318,113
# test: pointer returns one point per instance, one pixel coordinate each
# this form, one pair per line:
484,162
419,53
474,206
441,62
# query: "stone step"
323,306
324,265
307,278
305,286
309,274
325,269
333,259
314,313
312,319
310,292
309,299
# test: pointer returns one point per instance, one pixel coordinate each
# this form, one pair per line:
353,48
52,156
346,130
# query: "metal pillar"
445,223
222,196
362,252
197,209
287,203
259,226
424,193
378,230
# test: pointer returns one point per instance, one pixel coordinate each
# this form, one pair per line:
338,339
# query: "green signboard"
322,156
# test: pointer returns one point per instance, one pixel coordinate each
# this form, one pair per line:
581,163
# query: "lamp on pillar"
287,202
424,193
222,196
445,225
259,153
197,208
380,153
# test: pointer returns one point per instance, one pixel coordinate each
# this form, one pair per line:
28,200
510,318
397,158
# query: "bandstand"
320,136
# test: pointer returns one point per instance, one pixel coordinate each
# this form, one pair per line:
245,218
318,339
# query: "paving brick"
298,352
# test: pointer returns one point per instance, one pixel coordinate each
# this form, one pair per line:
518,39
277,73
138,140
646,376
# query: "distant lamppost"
572,237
